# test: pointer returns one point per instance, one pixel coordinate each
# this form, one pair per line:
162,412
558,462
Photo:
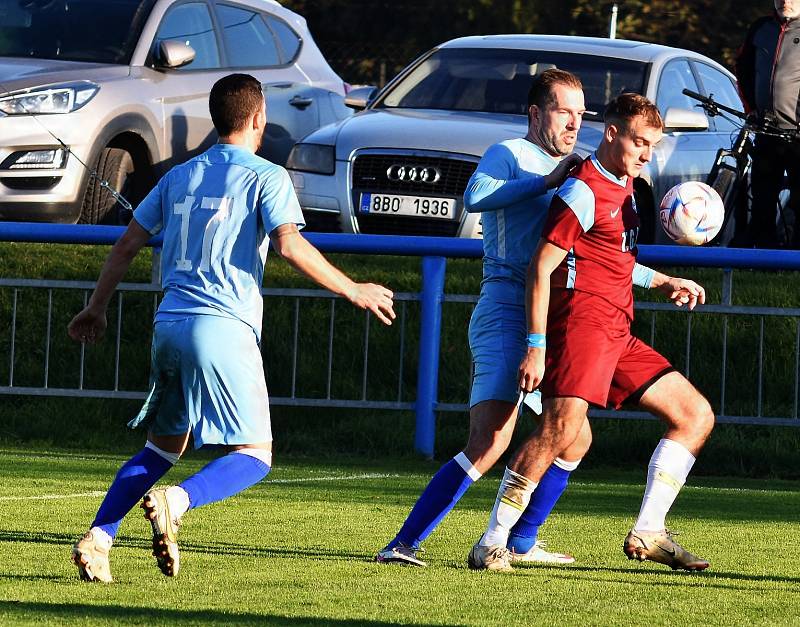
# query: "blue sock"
440,496
544,499
224,477
133,480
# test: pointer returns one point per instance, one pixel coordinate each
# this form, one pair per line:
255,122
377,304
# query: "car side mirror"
174,54
360,97
677,119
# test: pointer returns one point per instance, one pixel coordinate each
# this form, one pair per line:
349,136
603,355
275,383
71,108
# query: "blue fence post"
433,271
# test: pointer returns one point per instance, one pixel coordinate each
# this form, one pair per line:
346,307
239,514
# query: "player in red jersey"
580,292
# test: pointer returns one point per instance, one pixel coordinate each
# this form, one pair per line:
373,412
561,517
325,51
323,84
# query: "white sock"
259,453
172,458
565,465
669,466
178,501
512,499
466,465
101,537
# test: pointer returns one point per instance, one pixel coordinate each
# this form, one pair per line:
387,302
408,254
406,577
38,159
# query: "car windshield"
100,31
497,81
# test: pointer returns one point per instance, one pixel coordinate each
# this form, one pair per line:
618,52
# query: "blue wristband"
536,340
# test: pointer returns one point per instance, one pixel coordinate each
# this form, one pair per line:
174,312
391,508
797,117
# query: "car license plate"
418,206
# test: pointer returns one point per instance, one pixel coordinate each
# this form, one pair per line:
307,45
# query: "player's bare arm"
537,287
90,324
305,258
680,291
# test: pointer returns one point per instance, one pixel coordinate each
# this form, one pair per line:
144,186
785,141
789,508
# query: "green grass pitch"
297,550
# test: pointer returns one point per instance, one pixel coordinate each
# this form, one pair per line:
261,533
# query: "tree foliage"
395,32
715,28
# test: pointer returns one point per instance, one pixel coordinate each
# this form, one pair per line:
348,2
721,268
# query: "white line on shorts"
48,497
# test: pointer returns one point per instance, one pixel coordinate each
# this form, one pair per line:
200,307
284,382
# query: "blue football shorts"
497,333
207,377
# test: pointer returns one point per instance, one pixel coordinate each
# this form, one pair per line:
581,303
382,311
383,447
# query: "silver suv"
401,165
122,86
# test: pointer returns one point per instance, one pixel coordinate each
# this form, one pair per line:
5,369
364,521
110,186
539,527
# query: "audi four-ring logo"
413,173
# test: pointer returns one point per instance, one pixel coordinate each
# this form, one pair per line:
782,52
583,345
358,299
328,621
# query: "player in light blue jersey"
218,214
512,188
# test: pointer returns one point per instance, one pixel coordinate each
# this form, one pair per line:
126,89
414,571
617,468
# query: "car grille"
30,182
370,175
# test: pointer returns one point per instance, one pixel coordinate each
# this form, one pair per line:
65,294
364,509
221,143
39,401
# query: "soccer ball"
692,213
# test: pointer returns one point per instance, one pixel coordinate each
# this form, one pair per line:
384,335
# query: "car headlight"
49,159
54,99
312,158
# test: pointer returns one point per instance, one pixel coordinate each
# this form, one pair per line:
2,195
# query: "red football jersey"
593,217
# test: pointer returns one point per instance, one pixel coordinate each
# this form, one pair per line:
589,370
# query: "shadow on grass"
305,552
50,578
708,578
27,610
63,539
216,548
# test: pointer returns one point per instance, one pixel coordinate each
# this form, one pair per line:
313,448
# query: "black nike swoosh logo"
670,552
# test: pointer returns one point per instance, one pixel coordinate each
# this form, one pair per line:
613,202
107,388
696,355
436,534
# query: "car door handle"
300,102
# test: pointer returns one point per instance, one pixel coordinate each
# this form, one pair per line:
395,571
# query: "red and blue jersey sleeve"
571,214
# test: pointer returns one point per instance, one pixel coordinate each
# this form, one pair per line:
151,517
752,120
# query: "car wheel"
115,165
647,213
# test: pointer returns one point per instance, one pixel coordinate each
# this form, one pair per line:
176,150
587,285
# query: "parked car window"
67,30
57,45
675,77
497,81
191,23
248,41
288,39
722,88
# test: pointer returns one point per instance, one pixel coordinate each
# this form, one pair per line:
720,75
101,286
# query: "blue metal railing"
421,246
434,252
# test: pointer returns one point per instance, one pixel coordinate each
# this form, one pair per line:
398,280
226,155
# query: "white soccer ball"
692,213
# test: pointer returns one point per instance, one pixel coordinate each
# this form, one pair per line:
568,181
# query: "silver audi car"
400,166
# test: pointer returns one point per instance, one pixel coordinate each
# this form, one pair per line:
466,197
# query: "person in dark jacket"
768,70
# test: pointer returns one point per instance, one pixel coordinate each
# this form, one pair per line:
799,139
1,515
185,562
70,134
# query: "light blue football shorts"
497,333
206,375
